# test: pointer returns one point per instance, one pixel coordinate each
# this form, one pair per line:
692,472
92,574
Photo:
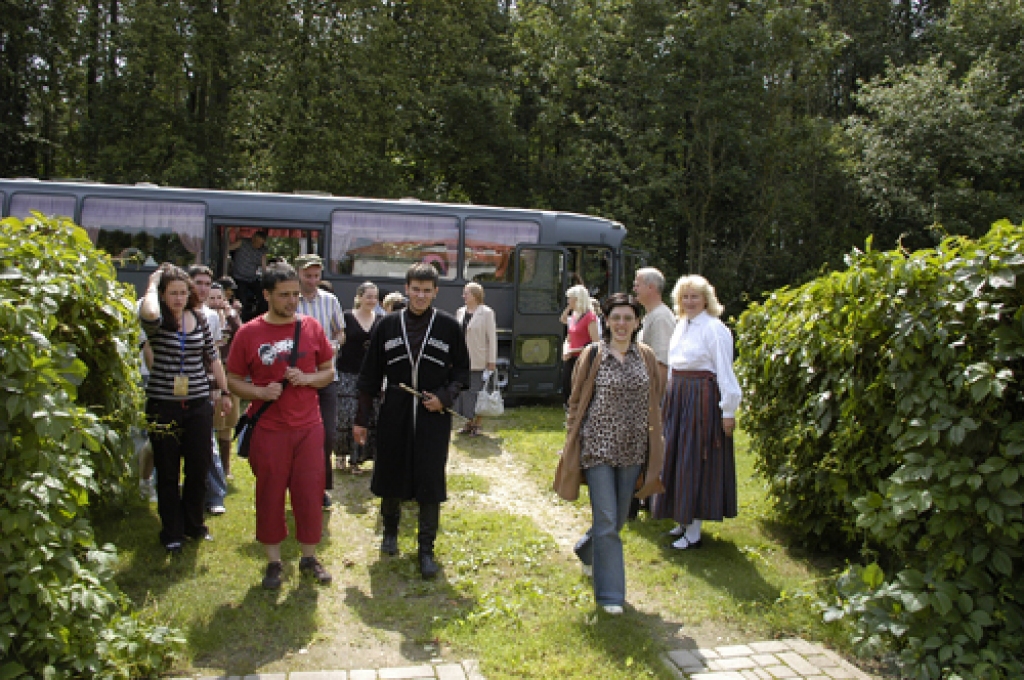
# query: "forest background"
755,142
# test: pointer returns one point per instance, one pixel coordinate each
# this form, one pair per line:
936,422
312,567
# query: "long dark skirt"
700,466
348,403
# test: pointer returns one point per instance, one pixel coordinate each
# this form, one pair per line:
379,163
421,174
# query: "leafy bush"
886,407
70,395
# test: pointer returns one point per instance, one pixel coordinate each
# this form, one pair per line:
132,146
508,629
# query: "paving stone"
472,667
799,663
839,672
707,654
782,672
690,670
736,663
750,675
726,675
822,660
685,657
406,673
450,671
734,650
804,647
672,667
770,647
762,673
766,659
318,675
362,675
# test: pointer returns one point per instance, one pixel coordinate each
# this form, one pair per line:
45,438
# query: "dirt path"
564,522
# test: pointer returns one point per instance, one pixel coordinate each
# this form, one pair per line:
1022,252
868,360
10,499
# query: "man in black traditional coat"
422,348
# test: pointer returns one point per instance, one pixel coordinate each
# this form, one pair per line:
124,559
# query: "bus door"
630,262
540,285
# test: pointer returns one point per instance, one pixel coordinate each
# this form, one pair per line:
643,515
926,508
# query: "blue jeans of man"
611,489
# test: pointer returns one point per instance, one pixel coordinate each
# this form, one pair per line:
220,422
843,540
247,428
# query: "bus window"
490,245
59,205
146,232
386,244
540,282
281,242
591,266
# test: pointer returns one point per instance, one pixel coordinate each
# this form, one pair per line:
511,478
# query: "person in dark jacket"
422,348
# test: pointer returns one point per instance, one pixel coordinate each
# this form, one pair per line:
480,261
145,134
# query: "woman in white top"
481,331
699,415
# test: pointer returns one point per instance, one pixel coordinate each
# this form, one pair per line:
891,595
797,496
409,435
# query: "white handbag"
489,402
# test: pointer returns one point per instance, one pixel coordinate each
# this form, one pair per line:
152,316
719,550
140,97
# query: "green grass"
508,595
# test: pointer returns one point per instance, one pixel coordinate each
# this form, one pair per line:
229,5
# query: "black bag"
247,424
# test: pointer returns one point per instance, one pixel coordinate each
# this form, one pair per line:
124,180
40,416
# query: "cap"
306,261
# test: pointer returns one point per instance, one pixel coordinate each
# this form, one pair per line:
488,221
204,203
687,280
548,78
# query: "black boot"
391,514
430,516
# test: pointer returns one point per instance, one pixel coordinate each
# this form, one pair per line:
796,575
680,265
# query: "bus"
524,259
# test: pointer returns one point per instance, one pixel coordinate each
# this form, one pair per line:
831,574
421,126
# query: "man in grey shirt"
659,322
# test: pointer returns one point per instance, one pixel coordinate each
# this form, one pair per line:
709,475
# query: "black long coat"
412,442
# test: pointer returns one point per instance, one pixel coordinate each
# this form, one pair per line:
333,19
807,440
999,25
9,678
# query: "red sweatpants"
292,461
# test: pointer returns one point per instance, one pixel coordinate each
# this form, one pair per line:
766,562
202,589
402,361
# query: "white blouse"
704,343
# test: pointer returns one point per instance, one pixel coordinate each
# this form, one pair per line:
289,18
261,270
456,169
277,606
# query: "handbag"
247,423
489,402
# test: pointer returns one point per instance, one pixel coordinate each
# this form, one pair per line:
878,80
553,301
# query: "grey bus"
524,259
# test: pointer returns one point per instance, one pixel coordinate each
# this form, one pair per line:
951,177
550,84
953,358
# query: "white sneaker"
613,609
217,510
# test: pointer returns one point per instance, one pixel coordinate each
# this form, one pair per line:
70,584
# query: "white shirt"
704,343
213,321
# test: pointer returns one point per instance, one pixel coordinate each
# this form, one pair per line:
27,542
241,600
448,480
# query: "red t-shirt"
579,331
262,350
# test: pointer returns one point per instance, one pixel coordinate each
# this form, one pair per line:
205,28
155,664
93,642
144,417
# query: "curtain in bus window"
146,232
23,204
386,244
490,245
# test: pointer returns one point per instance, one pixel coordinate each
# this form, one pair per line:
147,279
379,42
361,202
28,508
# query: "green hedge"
886,408
69,397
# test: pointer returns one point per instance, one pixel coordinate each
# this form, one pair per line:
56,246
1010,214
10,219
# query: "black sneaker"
327,501
389,544
272,579
173,548
311,565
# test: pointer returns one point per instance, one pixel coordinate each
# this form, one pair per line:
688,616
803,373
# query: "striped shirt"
326,309
245,260
168,362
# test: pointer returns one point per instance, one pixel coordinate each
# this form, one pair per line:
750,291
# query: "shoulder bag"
246,423
489,403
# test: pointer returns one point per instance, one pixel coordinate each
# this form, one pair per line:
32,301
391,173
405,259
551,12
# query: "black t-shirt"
350,358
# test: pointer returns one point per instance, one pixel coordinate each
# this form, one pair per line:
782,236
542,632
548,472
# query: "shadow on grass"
353,491
274,627
620,637
149,571
402,602
719,563
486,446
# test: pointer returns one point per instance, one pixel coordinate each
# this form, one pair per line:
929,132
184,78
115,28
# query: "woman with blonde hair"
481,331
699,413
359,324
583,330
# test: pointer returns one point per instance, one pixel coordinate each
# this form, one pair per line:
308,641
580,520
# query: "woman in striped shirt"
178,401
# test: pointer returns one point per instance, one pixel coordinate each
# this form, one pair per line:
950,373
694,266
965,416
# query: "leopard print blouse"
615,430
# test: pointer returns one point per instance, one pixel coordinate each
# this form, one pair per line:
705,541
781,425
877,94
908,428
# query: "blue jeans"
611,490
216,484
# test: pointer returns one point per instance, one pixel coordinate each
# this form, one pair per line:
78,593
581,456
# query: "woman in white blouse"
699,415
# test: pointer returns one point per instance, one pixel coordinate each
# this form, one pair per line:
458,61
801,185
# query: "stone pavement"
762,661
467,670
